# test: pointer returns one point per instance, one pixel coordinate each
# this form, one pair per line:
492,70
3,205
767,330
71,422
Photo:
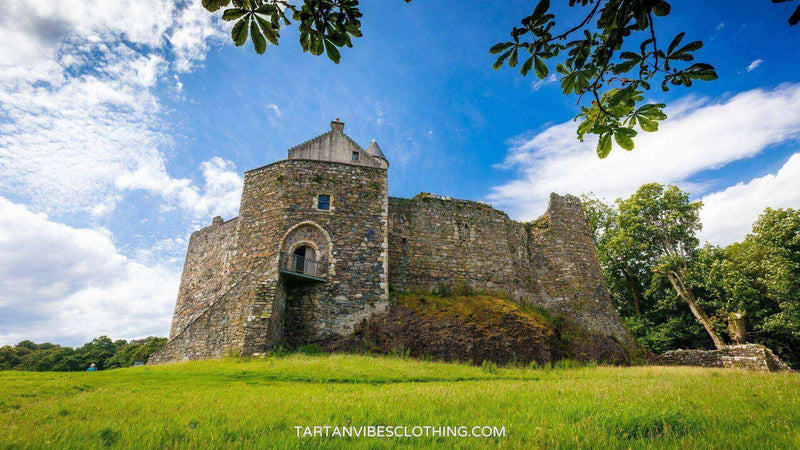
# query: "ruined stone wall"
551,262
435,240
218,331
566,272
206,271
748,356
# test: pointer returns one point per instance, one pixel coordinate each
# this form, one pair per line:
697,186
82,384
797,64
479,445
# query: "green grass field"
257,403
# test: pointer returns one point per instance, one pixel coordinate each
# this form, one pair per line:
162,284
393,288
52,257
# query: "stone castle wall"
435,240
551,262
206,271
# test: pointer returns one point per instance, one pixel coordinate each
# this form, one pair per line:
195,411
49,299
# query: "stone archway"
308,247
309,251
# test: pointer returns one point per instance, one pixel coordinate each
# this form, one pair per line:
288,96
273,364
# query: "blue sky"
126,125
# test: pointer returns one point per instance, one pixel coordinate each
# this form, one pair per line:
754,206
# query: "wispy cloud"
539,83
699,135
754,65
79,107
274,108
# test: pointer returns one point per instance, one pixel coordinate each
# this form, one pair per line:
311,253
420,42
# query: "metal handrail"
290,262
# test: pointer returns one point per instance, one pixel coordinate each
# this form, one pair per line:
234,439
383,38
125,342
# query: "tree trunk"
688,296
737,328
637,301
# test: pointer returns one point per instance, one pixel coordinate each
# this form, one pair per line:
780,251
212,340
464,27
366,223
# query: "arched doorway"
304,260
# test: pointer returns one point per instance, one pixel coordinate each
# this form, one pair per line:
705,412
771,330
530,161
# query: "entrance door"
300,259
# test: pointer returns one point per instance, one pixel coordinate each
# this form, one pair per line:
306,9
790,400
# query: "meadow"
258,402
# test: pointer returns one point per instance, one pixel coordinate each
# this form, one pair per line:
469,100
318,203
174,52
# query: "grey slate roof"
375,150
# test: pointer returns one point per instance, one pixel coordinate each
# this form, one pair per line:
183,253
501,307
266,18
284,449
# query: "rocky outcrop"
461,328
747,356
476,328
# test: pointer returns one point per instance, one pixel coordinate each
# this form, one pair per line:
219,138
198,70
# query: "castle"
319,245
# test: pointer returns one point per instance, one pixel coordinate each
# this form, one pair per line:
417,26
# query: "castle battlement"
318,244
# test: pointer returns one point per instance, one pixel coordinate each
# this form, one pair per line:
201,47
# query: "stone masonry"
753,357
318,243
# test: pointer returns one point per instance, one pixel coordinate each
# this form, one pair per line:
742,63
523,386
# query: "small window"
355,156
324,202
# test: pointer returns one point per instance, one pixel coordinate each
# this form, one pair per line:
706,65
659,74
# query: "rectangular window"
323,202
355,156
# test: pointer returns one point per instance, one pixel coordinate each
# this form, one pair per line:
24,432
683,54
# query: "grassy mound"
257,403
466,328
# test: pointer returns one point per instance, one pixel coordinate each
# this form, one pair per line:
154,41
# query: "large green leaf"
624,137
604,145
233,14
211,5
540,67
540,9
239,32
526,66
332,51
497,48
259,43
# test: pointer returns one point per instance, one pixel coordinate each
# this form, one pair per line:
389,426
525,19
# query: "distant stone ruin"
746,356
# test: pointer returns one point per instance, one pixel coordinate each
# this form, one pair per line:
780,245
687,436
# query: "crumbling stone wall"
550,262
565,272
206,271
747,356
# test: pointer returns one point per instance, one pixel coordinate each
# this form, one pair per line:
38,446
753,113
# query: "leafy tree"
611,57
749,290
664,224
657,317
8,357
138,350
603,63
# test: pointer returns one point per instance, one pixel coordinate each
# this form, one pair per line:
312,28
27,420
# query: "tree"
618,254
664,224
606,61
98,352
137,350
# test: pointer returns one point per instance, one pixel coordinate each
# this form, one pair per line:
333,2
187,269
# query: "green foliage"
757,279
605,60
101,351
653,232
324,25
137,350
256,404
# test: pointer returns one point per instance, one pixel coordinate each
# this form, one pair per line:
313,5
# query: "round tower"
320,218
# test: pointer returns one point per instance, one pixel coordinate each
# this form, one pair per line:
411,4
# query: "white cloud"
700,135
220,196
68,285
728,215
720,26
754,65
275,109
539,83
79,109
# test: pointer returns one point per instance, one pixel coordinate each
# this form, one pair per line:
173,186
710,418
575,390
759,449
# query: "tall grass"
256,403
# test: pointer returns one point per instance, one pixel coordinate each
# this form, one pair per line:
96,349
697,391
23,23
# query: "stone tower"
305,261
